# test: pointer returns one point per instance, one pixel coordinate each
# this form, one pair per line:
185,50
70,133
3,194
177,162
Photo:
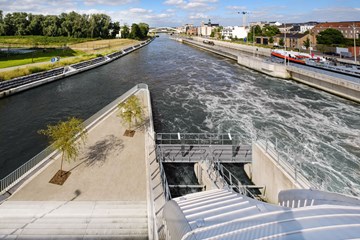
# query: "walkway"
105,196
110,167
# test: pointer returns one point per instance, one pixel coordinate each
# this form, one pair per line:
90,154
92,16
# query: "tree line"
66,24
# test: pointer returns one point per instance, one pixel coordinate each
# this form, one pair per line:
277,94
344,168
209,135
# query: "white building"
306,27
234,32
206,28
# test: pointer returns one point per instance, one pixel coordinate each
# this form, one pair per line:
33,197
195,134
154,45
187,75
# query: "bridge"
195,147
164,30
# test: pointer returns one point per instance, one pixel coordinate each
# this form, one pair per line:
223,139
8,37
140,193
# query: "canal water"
196,91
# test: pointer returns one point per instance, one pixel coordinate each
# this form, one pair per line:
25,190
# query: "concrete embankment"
67,71
253,58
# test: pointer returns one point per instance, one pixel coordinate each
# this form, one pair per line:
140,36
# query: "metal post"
354,42
285,45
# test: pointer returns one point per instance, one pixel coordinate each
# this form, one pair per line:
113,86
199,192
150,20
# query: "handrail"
197,138
227,175
167,192
293,170
25,169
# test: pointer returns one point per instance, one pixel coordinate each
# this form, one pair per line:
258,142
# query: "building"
292,40
234,32
193,31
206,28
303,27
348,29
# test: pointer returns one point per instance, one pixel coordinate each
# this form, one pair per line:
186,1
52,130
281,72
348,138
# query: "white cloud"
193,5
108,2
198,16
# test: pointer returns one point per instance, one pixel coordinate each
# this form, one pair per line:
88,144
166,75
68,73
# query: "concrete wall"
265,171
241,47
269,68
327,83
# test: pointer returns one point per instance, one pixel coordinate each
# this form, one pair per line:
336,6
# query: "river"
196,91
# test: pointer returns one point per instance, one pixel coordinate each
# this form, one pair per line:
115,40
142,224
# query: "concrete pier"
111,174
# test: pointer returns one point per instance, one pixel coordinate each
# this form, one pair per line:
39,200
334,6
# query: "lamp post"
355,52
285,45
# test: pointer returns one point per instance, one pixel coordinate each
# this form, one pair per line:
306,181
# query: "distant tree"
2,30
35,24
212,34
131,110
115,27
125,32
144,28
270,31
307,43
135,32
254,31
330,36
62,137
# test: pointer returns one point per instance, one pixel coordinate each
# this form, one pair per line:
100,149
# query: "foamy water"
220,96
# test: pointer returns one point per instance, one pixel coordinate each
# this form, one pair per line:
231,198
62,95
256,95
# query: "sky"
161,13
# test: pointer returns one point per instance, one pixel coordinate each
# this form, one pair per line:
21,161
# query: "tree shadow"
143,125
98,153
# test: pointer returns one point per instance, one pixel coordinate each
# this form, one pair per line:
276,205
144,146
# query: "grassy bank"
22,71
40,60
39,41
8,59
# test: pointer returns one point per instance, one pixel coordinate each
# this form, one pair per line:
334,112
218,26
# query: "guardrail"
165,183
233,181
292,166
197,138
27,168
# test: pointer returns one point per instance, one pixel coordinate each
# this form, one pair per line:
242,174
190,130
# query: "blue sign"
245,39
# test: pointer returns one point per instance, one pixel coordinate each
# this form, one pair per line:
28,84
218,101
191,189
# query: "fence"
27,168
290,162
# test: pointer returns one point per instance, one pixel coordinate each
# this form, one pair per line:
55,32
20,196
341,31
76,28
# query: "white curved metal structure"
164,30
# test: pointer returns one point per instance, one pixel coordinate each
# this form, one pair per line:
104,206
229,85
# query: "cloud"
193,5
108,2
198,16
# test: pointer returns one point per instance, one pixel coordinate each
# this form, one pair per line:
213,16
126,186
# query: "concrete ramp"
73,220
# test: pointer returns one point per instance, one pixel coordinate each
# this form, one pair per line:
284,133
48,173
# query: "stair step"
60,225
74,220
75,237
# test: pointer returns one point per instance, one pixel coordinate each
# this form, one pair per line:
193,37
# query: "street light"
354,42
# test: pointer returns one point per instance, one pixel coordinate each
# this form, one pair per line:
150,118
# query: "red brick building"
348,29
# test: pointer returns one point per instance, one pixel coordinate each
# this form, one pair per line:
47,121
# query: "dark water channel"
195,91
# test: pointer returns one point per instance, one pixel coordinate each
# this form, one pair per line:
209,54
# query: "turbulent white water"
220,96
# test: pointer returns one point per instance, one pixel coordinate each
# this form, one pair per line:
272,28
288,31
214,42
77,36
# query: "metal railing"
232,181
197,138
165,183
24,170
289,162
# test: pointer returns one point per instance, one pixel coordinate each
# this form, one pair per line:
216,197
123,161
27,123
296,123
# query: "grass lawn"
39,55
39,41
39,60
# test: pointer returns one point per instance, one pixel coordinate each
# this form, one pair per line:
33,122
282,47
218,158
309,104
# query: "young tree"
271,40
281,42
131,110
62,137
307,43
